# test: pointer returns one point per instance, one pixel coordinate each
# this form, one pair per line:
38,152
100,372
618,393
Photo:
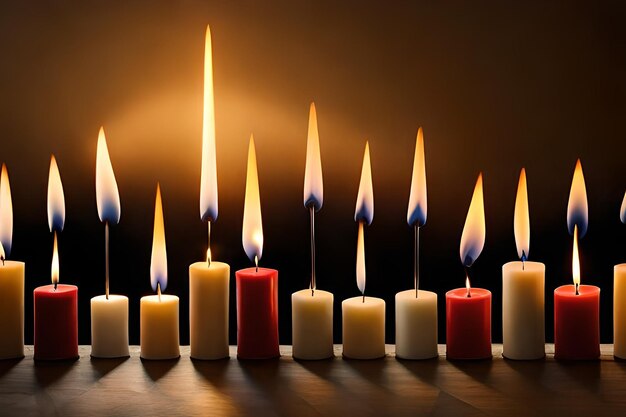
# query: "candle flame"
575,259
521,221
577,210
158,264
54,270
56,198
313,183
252,233
473,237
622,213
208,178
468,286
2,254
416,215
107,195
360,260
364,211
6,212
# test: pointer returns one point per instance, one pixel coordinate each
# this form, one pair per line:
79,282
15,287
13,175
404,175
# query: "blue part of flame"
313,200
578,218
364,215
160,279
418,216
470,256
57,222
6,245
110,213
210,214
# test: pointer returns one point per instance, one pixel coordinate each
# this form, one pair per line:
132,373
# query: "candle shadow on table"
7,364
321,368
425,369
213,371
157,369
369,369
585,373
49,372
102,366
478,369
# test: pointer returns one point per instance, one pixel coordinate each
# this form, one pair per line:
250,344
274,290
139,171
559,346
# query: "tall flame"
521,219
56,198
360,260
473,237
416,214
54,269
6,212
158,263
252,233
364,211
577,210
622,212
575,259
313,183
107,195
208,176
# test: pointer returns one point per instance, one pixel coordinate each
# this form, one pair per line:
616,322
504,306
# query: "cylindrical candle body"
619,311
468,324
523,310
159,327
312,324
109,326
208,310
12,309
416,325
56,322
257,313
363,325
577,322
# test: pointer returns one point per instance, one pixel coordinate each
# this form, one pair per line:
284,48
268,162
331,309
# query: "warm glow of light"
6,212
208,256
364,211
158,264
416,214
575,259
107,195
54,270
56,198
467,285
208,178
360,260
577,210
521,219
473,237
313,183
252,233
622,212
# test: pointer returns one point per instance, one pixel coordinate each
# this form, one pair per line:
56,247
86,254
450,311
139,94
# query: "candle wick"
524,258
208,258
363,298
312,213
577,286
106,259
55,285
416,259
159,290
256,262
2,258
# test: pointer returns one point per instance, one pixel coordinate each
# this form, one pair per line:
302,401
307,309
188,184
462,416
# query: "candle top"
61,289
461,293
584,291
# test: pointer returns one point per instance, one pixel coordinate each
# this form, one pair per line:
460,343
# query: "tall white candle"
619,301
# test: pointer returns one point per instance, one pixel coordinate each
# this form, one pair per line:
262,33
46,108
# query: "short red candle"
56,322
257,313
577,322
468,324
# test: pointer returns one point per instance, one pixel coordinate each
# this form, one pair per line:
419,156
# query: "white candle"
619,311
416,325
312,324
109,326
363,323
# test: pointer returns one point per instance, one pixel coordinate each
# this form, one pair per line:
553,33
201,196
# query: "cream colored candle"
208,310
312,324
11,309
619,311
416,325
159,327
363,328
109,326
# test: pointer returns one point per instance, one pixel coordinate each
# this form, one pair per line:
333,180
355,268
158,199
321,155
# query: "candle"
209,282
523,283
363,317
468,310
109,313
619,301
312,309
257,288
56,306
416,310
577,307
12,279
158,333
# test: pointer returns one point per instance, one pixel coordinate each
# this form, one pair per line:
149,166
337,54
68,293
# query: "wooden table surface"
336,387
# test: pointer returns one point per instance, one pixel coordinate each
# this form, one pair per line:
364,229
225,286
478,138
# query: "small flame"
54,270
158,264
2,254
364,211
208,176
521,221
473,237
622,213
252,233
208,256
416,215
360,260
107,195
468,286
56,198
313,183
577,210
6,211
575,259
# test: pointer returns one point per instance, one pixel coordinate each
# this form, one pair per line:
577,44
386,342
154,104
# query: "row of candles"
468,310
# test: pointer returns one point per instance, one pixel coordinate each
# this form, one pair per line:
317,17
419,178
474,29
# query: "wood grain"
335,387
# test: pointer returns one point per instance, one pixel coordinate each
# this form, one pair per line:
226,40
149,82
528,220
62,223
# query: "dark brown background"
496,86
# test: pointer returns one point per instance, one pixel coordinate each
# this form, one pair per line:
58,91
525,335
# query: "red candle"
577,322
257,313
468,324
56,322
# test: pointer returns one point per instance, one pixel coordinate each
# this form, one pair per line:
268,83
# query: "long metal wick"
208,258
416,259
313,284
106,258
